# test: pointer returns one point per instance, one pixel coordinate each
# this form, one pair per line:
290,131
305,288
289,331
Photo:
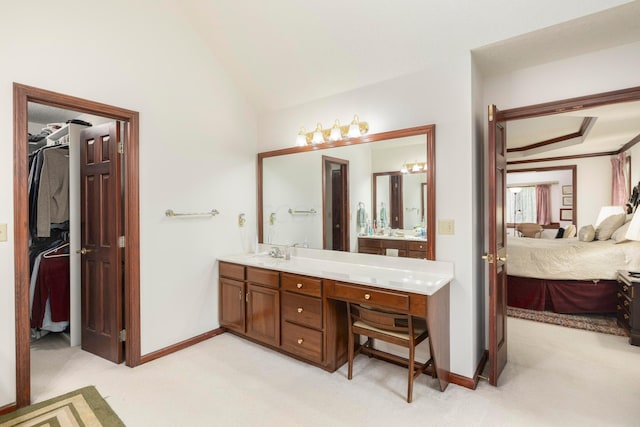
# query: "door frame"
344,220
22,95
555,107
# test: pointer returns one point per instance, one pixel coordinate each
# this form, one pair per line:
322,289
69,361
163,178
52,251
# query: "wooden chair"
529,229
400,329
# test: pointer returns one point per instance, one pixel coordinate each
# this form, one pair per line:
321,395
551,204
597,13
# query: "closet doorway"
100,142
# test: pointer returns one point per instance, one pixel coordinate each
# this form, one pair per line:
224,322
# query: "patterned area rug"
84,407
590,322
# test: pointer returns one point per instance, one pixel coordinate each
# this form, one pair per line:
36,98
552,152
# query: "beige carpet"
79,408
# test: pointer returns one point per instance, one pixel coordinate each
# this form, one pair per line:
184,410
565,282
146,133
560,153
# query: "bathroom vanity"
298,305
411,247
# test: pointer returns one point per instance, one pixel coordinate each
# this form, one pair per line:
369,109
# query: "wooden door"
395,192
263,314
232,304
496,257
101,267
336,210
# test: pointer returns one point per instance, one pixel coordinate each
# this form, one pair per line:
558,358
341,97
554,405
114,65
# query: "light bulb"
318,138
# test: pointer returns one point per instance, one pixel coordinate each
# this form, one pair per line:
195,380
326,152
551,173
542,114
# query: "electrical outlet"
446,226
3,232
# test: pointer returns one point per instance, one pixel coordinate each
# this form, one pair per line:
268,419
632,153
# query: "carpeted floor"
590,322
83,407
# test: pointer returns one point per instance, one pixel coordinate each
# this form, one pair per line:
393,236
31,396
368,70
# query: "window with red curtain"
543,205
619,187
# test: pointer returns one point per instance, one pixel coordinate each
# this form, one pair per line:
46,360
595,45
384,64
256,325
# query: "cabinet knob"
299,286
300,310
367,296
300,340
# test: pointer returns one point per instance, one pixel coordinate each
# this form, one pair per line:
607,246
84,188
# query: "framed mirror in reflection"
324,196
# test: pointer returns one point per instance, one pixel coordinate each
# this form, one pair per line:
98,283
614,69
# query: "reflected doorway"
335,203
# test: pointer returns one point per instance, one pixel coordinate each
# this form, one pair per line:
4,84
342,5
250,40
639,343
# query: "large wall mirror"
318,196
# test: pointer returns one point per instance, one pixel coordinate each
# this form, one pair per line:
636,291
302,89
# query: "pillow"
619,234
606,228
570,231
586,233
560,233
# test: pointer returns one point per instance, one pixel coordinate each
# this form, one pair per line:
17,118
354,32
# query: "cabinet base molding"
180,346
327,368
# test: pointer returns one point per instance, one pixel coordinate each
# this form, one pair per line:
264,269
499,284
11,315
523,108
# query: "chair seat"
418,328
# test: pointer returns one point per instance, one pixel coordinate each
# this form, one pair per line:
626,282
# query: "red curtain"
619,189
543,206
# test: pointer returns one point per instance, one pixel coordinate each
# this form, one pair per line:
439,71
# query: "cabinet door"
263,314
232,304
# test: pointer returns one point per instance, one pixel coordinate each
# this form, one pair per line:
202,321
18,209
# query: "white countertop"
412,238
403,274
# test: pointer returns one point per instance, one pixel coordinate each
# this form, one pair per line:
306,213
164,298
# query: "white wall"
141,56
440,95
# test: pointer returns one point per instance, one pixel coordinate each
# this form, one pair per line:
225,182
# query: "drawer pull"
300,310
367,296
299,286
300,340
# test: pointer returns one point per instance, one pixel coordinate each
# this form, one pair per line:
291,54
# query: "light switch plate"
3,232
446,226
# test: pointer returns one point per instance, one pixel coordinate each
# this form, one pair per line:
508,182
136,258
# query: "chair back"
529,229
380,319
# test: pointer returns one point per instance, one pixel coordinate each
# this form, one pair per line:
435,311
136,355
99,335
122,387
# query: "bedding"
570,259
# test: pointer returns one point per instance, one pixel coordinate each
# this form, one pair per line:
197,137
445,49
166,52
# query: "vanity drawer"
369,243
302,284
263,277
418,246
395,244
232,271
418,254
374,298
304,342
301,309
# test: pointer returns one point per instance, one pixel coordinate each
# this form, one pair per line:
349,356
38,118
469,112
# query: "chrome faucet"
275,252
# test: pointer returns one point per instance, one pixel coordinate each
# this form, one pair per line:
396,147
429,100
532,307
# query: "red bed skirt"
562,296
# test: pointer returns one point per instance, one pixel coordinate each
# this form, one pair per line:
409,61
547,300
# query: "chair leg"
350,344
411,373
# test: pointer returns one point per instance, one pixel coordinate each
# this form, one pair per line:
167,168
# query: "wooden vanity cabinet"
285,311
252,306
379,246
302,332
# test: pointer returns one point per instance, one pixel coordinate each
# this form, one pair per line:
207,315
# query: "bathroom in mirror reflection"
300,181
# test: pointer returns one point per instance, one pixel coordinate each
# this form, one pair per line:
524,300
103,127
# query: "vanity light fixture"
318,137
413,167
336,133
303,138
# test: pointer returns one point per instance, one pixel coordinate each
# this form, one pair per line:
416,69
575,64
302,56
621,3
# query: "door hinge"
123,335
121,241
121,147
491,113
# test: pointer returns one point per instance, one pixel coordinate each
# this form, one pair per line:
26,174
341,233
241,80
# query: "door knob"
83,251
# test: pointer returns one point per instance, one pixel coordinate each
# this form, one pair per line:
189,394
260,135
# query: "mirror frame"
429,133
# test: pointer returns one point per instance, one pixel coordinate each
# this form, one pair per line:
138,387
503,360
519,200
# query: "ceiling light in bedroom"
633,233
606,212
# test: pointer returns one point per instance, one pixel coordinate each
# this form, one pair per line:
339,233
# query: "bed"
567,275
